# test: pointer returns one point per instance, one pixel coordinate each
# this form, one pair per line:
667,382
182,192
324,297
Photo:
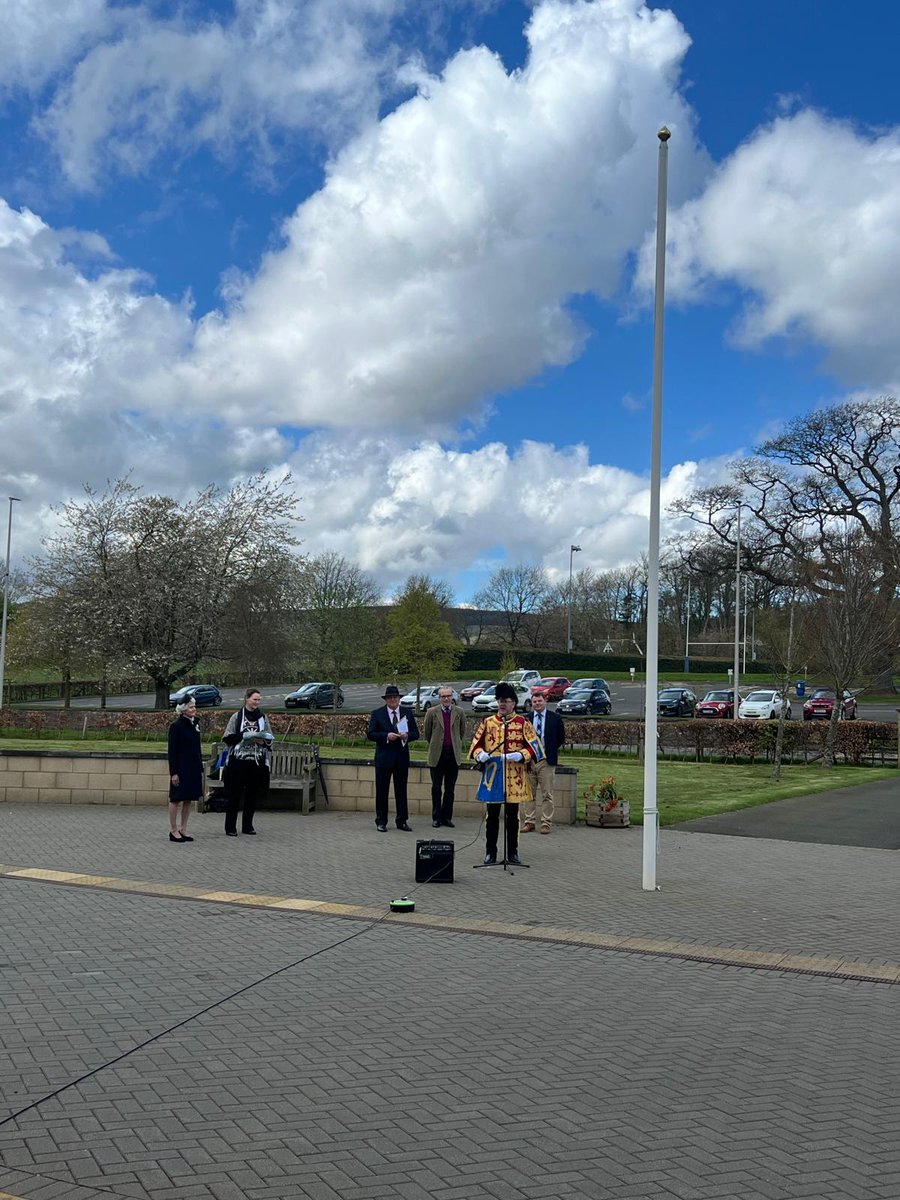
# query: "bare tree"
852,627
339,625
259,627
786,636
436,587
518,592
839,465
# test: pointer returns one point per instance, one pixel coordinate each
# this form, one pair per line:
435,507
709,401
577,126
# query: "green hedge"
478,658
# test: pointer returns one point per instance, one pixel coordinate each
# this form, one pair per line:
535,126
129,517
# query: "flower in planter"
605,793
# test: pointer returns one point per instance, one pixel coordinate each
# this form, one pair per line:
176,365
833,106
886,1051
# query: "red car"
820,706
552,687
716,704
476,688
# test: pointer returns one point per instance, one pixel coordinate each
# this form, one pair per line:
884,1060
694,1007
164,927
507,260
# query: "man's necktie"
394,719
540,728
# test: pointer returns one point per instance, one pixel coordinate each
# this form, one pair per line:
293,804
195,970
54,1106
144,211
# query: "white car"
429,694
487,701
764,705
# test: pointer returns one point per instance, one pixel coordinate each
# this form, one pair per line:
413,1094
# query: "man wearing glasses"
511,738
444,730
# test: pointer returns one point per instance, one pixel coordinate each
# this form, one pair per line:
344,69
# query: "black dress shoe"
435,824
231,833
381,827
490,860
514,860
449,824
185,838
173,838
250,832
404,826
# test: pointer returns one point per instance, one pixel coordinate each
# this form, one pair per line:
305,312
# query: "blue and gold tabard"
496,737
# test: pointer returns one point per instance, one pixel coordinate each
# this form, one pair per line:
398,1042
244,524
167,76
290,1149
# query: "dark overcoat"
185,760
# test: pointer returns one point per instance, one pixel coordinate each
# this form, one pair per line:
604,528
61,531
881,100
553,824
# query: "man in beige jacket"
444,731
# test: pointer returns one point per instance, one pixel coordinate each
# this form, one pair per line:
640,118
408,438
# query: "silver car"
487,701
429,694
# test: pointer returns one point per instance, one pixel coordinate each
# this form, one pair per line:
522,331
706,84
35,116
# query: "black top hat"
390,690
505,691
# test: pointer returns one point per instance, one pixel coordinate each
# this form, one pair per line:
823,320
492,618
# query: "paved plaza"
552,1032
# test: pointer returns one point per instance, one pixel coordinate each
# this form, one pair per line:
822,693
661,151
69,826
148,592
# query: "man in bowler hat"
391,730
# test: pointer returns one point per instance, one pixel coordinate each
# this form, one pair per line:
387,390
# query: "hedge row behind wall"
856,741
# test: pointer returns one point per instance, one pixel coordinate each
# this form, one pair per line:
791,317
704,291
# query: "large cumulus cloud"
434,266
804,219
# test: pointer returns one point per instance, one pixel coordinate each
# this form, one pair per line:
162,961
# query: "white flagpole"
651,811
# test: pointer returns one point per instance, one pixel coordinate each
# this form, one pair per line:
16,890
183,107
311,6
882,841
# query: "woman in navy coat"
185,769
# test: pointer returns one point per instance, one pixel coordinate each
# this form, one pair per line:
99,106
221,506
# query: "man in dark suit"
444,730
391,730
551,730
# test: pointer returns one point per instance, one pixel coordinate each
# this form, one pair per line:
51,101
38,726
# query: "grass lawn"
688,790
685,790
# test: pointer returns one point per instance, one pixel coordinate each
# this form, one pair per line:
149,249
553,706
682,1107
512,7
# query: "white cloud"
71,335
78,368
805,217
178,84
398,508
41,36
434,266
432,270
74,344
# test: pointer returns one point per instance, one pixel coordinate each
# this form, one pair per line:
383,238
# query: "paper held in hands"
403,727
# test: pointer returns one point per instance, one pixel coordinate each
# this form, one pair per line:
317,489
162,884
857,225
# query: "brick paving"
432,1063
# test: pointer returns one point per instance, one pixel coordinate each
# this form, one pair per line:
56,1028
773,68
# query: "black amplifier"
434,861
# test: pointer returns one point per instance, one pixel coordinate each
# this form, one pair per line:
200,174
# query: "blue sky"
403,250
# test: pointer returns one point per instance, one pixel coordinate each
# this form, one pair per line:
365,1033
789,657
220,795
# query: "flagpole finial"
664,134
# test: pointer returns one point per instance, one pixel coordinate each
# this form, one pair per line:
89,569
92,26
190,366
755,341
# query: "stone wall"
62,777
83,777
351,788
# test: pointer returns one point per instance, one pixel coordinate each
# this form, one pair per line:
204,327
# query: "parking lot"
627,699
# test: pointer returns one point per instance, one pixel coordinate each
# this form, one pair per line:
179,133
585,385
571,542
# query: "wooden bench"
293,768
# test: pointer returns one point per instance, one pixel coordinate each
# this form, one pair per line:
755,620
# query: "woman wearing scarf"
247,771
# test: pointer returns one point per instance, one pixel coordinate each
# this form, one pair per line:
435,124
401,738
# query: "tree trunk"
828,756
779,743
67,688
104,686
162,693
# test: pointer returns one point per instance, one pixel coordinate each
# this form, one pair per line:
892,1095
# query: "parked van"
522,678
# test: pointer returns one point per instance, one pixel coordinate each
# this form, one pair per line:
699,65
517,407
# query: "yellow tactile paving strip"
660,947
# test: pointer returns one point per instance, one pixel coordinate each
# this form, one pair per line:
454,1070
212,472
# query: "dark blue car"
588,701
314,695
206,695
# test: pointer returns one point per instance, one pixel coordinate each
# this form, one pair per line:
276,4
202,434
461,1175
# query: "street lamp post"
736,676
12,500
573,550
651,811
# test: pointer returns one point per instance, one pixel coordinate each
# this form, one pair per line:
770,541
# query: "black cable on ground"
217,1003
